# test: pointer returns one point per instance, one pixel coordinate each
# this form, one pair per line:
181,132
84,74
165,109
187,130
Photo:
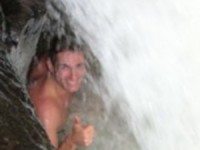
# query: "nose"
73,75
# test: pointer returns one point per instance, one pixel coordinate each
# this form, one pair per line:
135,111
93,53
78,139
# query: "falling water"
149,56
147,94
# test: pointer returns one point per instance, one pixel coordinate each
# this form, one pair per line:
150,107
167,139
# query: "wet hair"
65,43
34,62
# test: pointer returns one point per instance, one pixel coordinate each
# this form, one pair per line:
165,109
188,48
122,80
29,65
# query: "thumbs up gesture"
82,134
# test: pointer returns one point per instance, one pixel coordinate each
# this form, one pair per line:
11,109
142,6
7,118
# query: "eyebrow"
65,64
62,64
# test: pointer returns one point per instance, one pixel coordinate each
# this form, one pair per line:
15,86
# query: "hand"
82,134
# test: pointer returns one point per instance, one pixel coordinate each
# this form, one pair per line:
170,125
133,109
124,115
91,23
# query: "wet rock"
19,127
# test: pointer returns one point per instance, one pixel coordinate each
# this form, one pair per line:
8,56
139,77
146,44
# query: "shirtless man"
51,97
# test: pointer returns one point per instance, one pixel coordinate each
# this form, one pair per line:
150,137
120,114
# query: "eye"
80,66
63,66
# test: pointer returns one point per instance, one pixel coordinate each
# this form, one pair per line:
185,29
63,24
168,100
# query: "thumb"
77,120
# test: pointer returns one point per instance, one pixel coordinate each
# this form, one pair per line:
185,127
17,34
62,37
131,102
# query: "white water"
149,52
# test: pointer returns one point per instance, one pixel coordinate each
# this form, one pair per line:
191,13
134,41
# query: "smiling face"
69,69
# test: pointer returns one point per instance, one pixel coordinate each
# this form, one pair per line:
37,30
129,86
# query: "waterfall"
149,56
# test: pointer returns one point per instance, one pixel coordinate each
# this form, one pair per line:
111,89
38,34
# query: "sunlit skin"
51,98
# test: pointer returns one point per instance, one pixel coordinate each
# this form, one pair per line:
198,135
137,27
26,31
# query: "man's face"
70,69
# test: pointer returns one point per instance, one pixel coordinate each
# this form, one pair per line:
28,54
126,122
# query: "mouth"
73,83
73,87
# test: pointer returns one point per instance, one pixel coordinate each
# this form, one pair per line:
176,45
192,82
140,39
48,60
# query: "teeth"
72,83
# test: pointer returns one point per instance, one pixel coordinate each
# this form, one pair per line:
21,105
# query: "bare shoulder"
48,112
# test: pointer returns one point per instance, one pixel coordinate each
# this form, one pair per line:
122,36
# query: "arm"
51,129
49,117
68,144
81,135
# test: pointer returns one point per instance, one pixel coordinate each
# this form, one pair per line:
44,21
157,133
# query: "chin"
73,89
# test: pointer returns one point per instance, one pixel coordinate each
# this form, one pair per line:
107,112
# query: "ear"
50,65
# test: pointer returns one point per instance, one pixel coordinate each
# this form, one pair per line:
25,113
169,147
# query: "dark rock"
19,127
20,130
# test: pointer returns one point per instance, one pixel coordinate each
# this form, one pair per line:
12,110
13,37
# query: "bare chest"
63,113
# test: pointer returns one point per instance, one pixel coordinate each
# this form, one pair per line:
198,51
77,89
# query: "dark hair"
64,43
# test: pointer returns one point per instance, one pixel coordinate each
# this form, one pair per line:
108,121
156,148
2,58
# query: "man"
51,97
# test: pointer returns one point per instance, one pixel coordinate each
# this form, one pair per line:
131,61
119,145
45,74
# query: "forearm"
68,144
